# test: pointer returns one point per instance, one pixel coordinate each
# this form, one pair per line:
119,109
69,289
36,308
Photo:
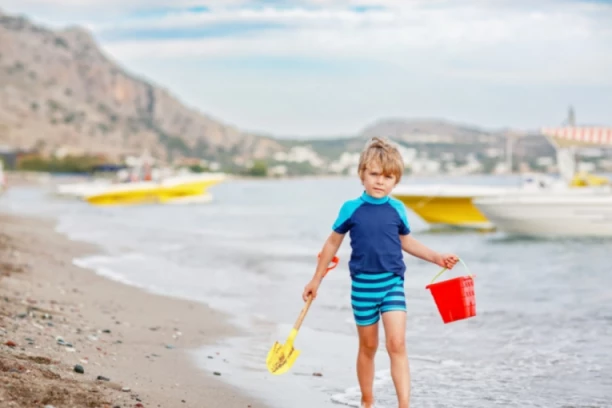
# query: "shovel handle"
300,319
302,315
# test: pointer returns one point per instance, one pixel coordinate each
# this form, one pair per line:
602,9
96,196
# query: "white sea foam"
96,263
352,396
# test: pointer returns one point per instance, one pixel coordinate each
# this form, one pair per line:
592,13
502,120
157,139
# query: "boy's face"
376,184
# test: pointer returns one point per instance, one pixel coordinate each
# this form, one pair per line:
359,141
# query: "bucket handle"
444,269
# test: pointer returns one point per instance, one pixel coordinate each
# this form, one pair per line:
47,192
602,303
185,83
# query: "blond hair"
385,154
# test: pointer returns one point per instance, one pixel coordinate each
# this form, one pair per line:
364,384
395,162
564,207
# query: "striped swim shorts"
375,293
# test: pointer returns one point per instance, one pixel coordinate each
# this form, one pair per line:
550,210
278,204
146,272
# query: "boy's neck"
373,200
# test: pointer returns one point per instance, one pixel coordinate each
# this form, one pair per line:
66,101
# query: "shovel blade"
281,357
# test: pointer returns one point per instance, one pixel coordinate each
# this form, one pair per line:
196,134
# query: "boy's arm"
331,246
415,248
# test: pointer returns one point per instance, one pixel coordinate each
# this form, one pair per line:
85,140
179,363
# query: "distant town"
421,162
304,159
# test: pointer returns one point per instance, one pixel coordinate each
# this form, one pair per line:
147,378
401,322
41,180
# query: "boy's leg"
367,292
395,330
393,311
368,344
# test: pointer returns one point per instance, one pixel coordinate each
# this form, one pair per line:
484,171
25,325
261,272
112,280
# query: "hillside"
58,89
438,136
435,137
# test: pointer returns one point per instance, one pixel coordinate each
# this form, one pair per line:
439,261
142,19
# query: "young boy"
379,232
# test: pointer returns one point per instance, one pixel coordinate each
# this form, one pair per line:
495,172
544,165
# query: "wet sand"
55,316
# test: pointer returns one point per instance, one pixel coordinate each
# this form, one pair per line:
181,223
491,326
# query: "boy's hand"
311,289
447,260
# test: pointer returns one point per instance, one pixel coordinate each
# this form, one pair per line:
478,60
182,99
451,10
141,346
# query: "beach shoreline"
55,315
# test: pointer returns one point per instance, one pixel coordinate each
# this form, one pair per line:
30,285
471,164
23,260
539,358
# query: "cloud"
557,42
336,64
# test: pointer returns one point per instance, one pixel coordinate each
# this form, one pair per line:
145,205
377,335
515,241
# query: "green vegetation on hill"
68,164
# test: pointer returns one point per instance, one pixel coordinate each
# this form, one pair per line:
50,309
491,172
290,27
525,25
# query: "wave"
93,263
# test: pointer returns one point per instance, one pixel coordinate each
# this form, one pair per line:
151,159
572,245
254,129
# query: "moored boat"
453,205
443,205
173,190
546,212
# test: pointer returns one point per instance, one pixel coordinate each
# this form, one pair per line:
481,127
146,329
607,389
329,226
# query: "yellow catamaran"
174,190
447,205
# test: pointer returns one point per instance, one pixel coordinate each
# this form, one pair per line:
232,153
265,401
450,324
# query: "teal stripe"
369,295
363,304
393,308
364,312
373,285
374,275
392,298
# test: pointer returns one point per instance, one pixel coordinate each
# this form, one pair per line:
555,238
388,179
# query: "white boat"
448,205
80,190
546,211
453,205
551,215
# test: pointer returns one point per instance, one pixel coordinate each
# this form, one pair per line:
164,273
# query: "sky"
328,68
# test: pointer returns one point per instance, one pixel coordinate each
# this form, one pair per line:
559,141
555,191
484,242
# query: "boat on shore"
555,214
80,190
549,212
448,205
141,181
184,189
453,205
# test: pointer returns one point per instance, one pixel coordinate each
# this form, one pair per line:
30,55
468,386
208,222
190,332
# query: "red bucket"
455,298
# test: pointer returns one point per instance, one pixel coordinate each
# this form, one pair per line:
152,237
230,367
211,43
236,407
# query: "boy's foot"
367,403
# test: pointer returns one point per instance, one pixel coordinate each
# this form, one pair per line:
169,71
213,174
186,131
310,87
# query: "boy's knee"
368,346
396,345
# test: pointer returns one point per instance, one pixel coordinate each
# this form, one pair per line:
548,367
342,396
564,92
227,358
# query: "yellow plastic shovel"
282,356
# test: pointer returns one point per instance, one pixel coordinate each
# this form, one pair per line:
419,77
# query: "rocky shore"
70,338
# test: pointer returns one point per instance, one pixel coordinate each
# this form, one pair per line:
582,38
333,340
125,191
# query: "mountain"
426,130
58,89
436,137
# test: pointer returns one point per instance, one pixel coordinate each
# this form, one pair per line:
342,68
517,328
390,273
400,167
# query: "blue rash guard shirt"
375,225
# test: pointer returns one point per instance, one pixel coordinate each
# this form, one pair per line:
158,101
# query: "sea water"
542,336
